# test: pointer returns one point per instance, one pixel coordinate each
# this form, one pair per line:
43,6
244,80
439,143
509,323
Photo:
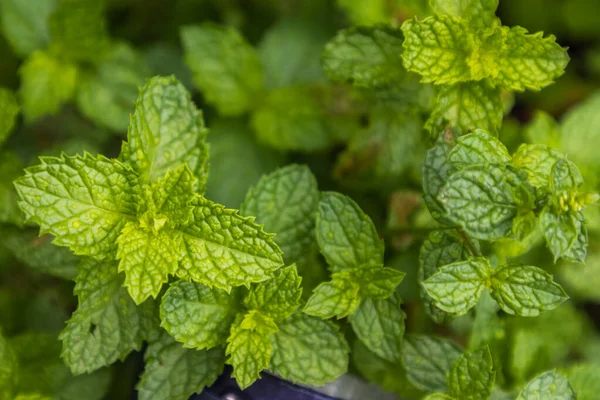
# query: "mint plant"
386,197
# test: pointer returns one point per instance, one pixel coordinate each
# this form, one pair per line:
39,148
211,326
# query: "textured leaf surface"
537,160
473,376
174,373
9,109
526,290
485,200
578,250
337,298
467,106
456,287
222,249
435,171
427,360
309,350
478,147
565,176
548,386
25,24
377,282
83,201
479,14
365,57
560,230
437,48
379,324
286,202
46,84
440,248
197,316
279,297
346,236
166,131
224,66
107,325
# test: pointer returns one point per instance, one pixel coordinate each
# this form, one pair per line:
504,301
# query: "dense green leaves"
549,385
476,148
337,298
479,14
472,376
276,298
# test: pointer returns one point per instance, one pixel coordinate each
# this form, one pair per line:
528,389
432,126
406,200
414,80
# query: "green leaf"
579,133
197,316
565,176
438,396
435,172
46,84
526,290
484,200
528,61
174,373
309,350
365,56
441,248
478,148
8,370
479,14
378,282
24,24
427,360
107,325
225,67
578,250
560,230
548,386
78,30
291,118
537,160
165,132
346,236
456,287
249,351
379,324
437,48
11,167
9,109
524,225
543,129
276,298
222,249
473,376
286,201
467,106
107,96
84,201
337,298
584,379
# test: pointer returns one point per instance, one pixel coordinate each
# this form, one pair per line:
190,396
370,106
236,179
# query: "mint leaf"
479,14
24,24
46,84
578,133
166,131
537,160
473,375
78,30
378,282
276,298
435,172
437,48
456,287
107,324
484,200
379,324
565,176
543,129
175,373
9,109
427,360
107,95
337,298
478,148
291,118
560,230
365,56
441,248
524,225
286,201
346,236
8,370
298,350
249,349
583,378
222,249
84,201
467,106
526,290
197,316
549,385
578,250
147,259
528,61
225,67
